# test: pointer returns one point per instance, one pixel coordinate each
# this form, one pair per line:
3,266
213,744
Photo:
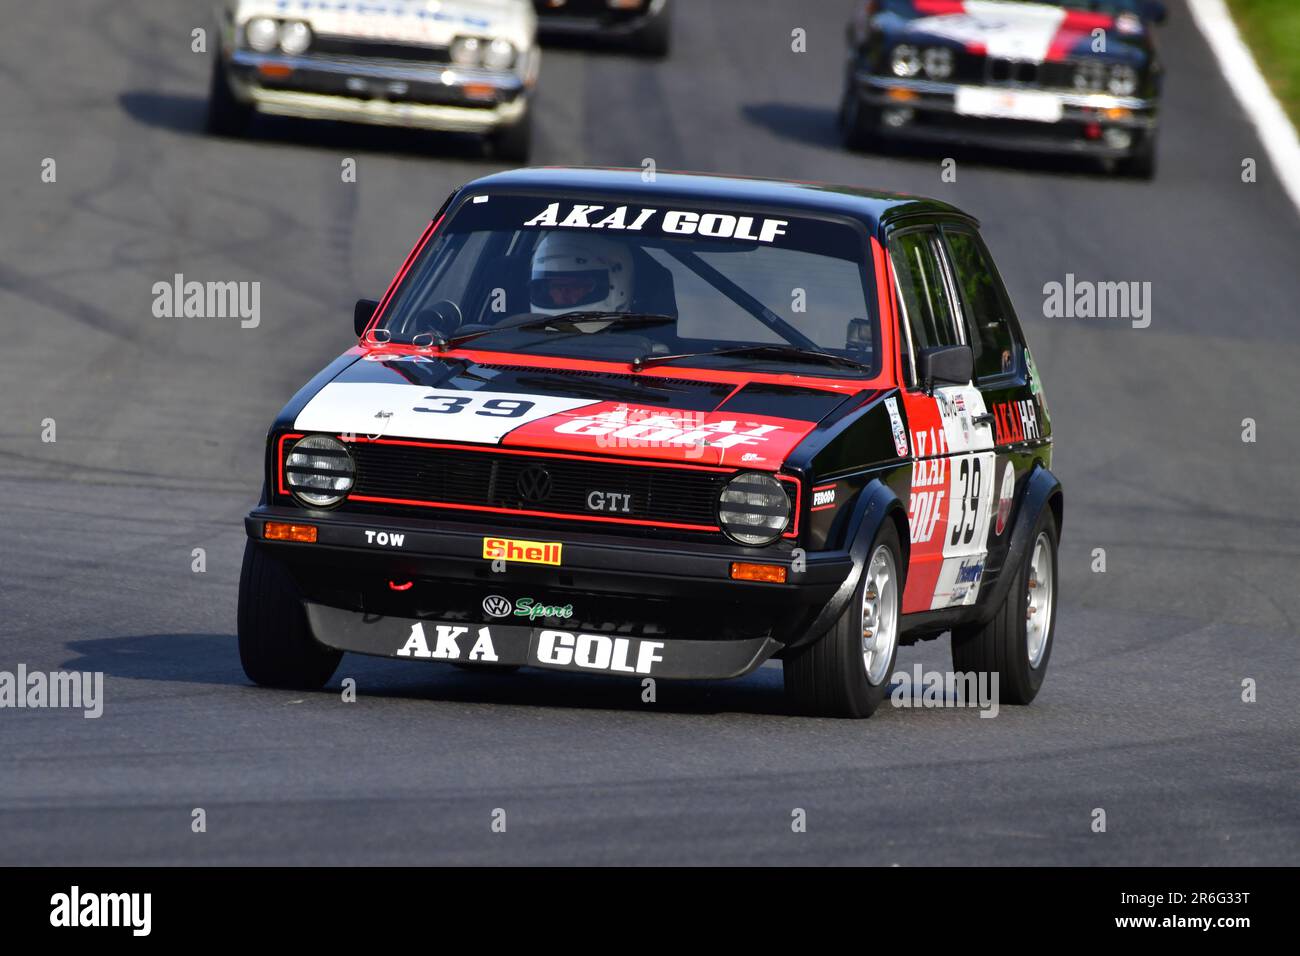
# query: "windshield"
1095,6
617,280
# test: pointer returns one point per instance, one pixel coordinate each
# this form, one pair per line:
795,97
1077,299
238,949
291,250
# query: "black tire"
655,36
226,115
828,678
1001,645
856,123
276,647
513,143
1141,163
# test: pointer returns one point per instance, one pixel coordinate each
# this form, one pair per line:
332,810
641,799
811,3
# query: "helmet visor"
568,290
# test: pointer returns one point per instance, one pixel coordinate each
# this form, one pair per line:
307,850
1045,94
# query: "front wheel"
655,36
855,121
227,116
513,143
276,647
1141,163
1017,642
846,673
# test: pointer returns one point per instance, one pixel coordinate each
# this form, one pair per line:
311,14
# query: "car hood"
679,415
1025,32
435,22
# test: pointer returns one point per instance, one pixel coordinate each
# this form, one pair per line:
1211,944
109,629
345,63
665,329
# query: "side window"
983,305
921,288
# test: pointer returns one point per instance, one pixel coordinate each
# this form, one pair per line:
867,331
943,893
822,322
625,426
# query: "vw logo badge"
534,484
497,606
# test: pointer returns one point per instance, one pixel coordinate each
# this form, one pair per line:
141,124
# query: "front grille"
380,49
408,475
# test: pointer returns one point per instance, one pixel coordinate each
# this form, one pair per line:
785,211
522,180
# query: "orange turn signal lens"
768,573
276,71
281,531
1116,113
904,95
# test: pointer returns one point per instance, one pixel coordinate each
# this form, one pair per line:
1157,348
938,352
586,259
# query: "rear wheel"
276,647
846,673
1016,643
227,116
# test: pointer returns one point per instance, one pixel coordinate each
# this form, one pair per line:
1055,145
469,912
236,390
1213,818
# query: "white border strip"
1248,84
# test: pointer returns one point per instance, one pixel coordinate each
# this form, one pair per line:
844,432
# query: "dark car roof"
868,205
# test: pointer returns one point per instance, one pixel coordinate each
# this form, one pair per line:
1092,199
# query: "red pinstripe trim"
429,230
279,467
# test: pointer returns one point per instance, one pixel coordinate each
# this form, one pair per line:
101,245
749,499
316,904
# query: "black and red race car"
644,25
668,429
1077,77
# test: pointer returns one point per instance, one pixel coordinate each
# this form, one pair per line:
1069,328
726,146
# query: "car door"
951,491
1004,376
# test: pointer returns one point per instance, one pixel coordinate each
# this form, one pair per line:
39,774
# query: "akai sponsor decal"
651,429
1006,495
929,485
447,644
1016,421
713,225
595,652
524,552
896,426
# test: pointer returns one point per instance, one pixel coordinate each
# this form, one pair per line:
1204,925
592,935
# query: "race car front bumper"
435,96
629,605
1089,124
598,19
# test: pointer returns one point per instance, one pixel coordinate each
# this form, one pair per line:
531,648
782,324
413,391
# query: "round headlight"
1123,80
753,509
500,55
319,471
905,61
466,51
938,62
1089,76
295,37
262,34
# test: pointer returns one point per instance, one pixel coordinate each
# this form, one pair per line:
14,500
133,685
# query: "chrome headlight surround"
262,34
295,37
319,471
905,60
754,509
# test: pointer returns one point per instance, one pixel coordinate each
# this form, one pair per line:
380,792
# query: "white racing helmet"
573,272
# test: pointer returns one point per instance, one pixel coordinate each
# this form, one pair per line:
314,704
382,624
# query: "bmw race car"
1079,77
668,429
456,65
641,24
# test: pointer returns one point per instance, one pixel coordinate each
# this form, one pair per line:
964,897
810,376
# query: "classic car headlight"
262,34
467,51
500,55
753,509
1123,80
937,61
905,61
319,471
295,37
1089,76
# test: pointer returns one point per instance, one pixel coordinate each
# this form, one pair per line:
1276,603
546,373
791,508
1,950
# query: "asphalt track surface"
160,425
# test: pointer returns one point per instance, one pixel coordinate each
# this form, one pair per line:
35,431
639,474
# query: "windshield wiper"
622,319
791,352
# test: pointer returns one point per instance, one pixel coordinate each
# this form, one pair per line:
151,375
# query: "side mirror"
946,365
361,314
1155,11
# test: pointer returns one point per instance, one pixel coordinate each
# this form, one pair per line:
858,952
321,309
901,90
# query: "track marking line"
1252,91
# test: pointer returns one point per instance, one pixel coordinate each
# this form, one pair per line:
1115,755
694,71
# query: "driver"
573,272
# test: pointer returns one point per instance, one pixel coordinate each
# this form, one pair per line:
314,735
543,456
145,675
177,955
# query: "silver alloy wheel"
1038,600
880,600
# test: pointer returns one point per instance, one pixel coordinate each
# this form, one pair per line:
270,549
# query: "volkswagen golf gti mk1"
668,429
